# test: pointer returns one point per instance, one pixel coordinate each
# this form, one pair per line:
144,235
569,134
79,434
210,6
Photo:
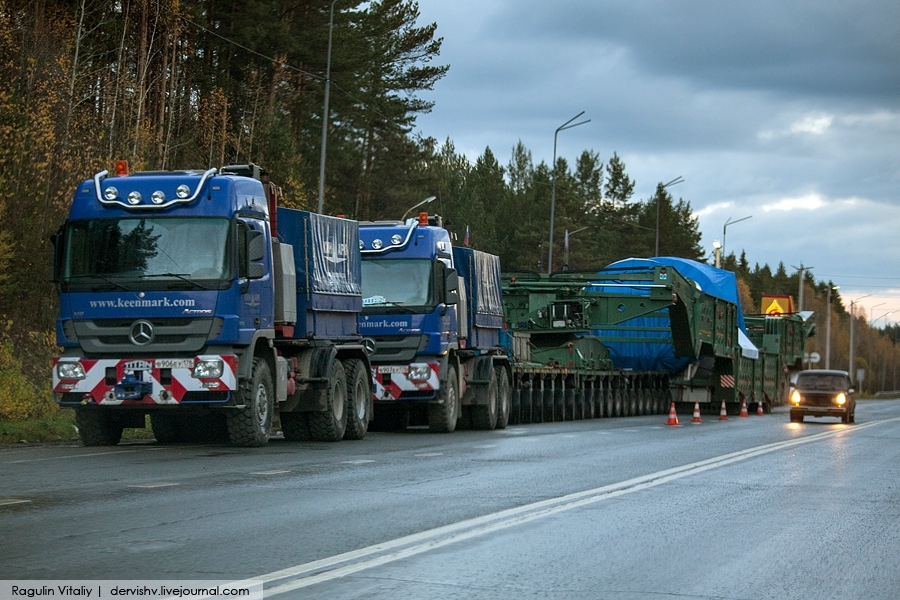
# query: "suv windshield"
400,282
138,249
822,381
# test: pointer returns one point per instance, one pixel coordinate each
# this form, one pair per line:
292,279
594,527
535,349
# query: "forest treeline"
192,84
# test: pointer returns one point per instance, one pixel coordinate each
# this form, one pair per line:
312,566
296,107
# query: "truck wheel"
503,398
484,416
295,427
96,426
250,426
165,428
329,425
442,417
359,397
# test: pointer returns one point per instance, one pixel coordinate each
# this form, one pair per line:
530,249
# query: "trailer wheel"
250,426
97,427
484,416
329,425
359,397
442,417
503,398
165,428
295,427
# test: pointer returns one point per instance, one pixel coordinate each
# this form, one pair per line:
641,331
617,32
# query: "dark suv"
821,393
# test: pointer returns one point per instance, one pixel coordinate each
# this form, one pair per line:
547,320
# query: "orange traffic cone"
673,416
696,417
759,409
723,414
744,414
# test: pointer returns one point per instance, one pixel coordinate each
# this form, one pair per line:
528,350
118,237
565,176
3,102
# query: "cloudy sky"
786,110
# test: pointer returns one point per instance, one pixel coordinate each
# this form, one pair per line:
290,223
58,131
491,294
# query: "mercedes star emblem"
141,333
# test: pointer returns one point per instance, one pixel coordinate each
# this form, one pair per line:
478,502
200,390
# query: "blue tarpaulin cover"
642,356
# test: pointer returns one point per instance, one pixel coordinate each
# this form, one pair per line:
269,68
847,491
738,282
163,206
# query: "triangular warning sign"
775,309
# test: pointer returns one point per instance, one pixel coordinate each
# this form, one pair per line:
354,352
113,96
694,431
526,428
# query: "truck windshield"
141,248
398,282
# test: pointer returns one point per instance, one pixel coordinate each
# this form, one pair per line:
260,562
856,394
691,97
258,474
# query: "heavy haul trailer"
781,341
189,297
560,369
702,354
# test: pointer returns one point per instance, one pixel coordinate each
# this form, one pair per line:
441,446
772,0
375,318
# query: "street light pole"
415,206
567,125
725,229
828,329
675,181
801,268
852,368
325,110
568,235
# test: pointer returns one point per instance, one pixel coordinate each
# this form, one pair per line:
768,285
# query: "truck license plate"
174,363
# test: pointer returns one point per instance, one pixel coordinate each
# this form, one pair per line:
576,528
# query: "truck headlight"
419,372
795,397
69,370
841,399
208,369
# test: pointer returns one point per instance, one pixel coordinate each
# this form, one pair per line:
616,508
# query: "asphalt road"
623,508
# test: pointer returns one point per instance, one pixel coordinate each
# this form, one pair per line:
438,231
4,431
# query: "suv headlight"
841,399
795,397
69,370
208,369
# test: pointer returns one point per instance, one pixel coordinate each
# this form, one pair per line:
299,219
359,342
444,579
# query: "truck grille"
398,349
104,336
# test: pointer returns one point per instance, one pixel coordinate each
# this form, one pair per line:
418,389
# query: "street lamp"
869,357
415,206
675,181
852,368
725,229
567,125
325,111
566,263
828,329
801,268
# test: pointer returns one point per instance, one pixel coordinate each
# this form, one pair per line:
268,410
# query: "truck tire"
359,398
250,426
97,427
165,428
503,399
295,427
442,417
484,416
329,425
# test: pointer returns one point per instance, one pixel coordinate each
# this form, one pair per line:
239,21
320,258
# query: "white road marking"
11,501
153,485
485,446
276,472
357,462
334,567
429,454
67,456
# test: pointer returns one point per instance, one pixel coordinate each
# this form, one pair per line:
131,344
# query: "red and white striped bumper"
390,381
143,380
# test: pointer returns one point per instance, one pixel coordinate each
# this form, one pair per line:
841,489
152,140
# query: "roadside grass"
58,426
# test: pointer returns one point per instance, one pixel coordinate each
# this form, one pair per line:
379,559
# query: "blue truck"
192,298
435,312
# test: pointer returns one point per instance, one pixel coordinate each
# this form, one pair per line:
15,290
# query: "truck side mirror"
451,287
56,248
254,251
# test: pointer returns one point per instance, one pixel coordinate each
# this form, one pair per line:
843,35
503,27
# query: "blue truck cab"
434,312
179,301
